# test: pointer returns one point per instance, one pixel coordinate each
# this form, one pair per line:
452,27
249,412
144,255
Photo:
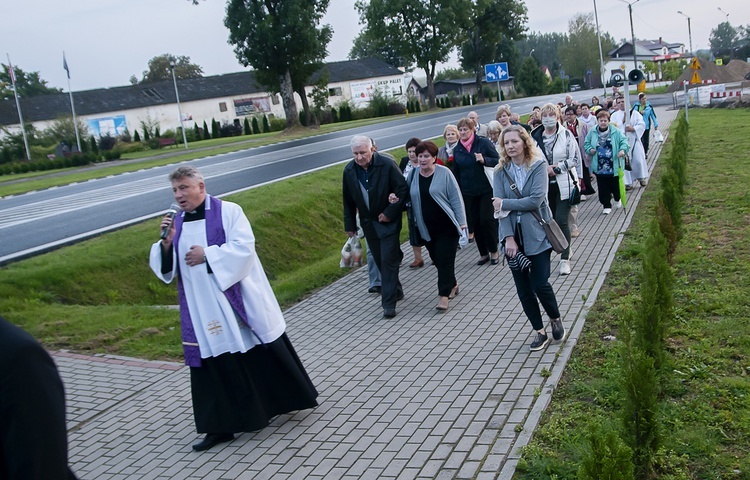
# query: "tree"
491,20
29,84
319,97
722,39
451,74
543,47
160,68
281,40
530,78
367,45
424,32
579,52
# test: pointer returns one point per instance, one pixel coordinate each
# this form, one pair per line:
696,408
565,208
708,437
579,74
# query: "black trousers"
533,287
388,255
561,212
608,186
442,248
480,217
588,187
645,140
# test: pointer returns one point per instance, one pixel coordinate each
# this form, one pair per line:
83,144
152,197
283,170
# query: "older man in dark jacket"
368,180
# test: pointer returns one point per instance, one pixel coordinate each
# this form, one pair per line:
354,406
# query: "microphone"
173,209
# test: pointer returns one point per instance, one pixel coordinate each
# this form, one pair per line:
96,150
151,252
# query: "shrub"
266,126
334,115
206,133
94,146
606,457
256,128
302,118
277,124
156,132
396,108
107,142
197,134
246,127
215,133
136,137
146,136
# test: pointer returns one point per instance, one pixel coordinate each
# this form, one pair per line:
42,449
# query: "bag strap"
514,187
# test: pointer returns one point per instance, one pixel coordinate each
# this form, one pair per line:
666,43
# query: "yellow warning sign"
719,61
695,79
695,64
642,86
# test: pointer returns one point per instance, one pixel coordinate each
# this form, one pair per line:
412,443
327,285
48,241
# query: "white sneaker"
564,267
644,182
607,211
618,204
575,233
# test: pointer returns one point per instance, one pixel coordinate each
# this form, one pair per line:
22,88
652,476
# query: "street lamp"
532,51
690,34
601,57
179,109
725,13
632,32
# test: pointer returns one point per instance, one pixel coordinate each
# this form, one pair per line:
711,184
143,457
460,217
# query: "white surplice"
637,153
217,328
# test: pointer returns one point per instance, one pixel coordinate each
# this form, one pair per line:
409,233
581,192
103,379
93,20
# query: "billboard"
111,126
250,106
362,92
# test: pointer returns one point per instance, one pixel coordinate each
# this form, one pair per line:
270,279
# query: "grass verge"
705,416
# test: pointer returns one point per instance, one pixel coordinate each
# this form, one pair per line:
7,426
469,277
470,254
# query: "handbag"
575,195
628,166
554,234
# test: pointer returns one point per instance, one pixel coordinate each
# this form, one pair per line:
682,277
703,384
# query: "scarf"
468,143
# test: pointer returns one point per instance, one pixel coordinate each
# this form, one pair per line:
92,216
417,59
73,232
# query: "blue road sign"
496,72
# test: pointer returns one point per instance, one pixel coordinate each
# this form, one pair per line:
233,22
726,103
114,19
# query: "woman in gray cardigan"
440,217
523,169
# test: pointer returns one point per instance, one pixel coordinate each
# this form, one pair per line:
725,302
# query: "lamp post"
726,18
179,109
601,57
632,32
690,34
532,51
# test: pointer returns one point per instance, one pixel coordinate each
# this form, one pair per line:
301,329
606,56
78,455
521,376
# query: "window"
222,106
334,92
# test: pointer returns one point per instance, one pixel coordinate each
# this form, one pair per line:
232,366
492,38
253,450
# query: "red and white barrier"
703,82
736,93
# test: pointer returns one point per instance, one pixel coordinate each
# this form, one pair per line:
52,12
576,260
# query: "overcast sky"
106,42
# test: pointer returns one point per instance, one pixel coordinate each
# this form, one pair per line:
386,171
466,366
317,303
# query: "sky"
105,42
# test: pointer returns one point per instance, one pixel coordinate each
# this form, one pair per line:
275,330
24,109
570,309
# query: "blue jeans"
372,269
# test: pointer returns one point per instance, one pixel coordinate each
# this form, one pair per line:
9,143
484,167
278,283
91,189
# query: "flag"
65,66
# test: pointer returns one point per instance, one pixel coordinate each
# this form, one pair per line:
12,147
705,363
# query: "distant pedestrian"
646,110
480,129
633,129
445,153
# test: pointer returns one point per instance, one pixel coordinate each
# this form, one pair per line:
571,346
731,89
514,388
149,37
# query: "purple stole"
215,235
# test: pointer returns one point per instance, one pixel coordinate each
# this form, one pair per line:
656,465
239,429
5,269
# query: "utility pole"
690,33
601,57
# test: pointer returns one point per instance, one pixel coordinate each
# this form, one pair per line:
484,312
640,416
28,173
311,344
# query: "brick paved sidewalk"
424,395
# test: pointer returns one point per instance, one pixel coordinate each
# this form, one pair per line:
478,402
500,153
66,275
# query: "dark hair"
536,107
412,142
571,109
428,147
584,104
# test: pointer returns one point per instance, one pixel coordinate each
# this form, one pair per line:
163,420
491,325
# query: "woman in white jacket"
563,158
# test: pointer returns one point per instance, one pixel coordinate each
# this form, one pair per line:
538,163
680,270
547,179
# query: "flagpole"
72,106
18,106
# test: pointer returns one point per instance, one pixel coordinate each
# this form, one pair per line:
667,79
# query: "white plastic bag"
351,253
658,137
346,254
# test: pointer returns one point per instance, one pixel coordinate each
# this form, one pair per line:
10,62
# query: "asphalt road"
39,221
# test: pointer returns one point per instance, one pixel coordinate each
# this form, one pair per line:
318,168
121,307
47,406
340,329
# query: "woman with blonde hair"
503,116
520,188
445,153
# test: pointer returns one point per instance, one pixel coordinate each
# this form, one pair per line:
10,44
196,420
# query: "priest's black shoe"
211,440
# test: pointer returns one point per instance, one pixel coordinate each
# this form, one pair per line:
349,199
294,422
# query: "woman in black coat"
471,156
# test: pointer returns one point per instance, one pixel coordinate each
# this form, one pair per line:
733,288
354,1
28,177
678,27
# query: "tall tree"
722,39
160,68
424,32
543,47
579,52
28,84
491,20
282,41
366,45
531,79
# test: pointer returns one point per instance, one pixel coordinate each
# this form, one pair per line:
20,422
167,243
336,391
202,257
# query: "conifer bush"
606,457
246,127
266,126
256,128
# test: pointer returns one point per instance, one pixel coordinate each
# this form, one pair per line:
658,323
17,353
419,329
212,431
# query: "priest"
243,368
633,128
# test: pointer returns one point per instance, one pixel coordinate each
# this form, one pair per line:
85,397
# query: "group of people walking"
488,185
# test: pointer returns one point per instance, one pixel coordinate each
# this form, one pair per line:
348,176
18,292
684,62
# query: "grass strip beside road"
99,296
705,426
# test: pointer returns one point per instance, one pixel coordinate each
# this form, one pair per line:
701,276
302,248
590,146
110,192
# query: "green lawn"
705,428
